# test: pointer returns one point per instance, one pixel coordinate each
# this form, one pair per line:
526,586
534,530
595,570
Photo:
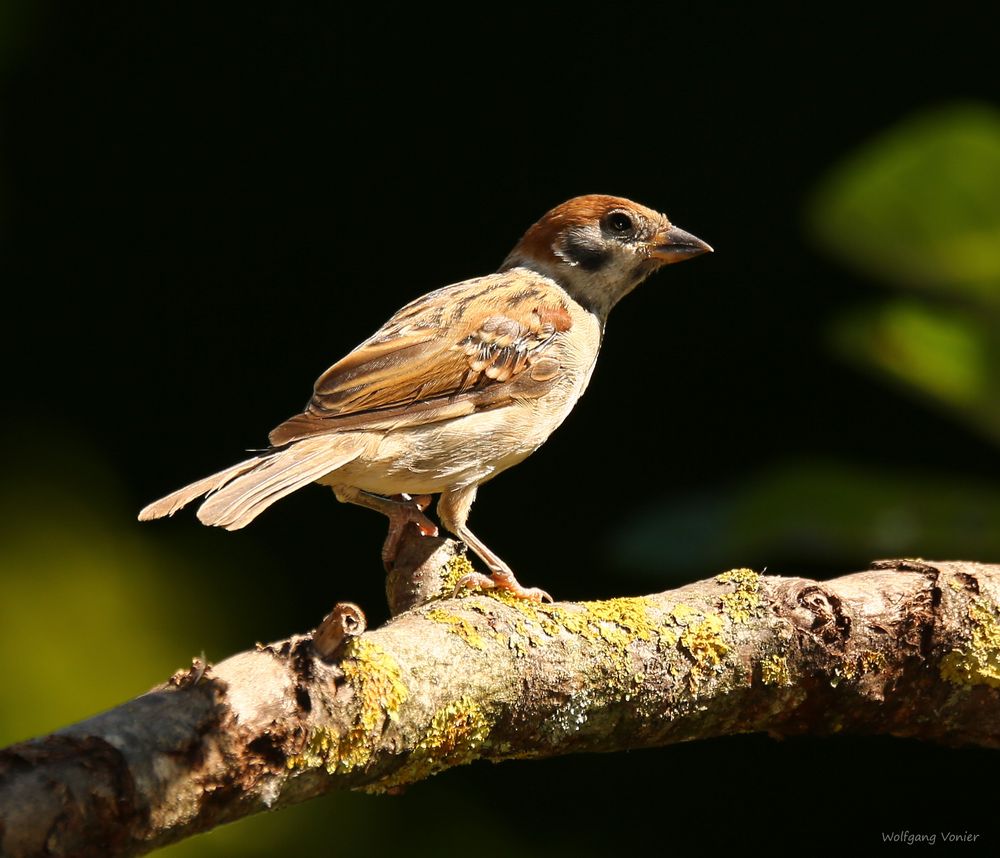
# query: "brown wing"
475,345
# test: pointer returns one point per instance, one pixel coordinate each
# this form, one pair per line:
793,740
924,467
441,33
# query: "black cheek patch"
588,257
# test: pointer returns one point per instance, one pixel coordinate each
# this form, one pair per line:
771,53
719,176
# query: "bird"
459,385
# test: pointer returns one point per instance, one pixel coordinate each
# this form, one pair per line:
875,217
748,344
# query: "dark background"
203,207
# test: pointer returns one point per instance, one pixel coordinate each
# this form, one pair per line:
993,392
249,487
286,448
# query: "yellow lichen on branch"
774,670
380,692
456,736
979,662
744,602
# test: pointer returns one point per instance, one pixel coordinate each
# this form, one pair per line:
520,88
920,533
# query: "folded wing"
476,345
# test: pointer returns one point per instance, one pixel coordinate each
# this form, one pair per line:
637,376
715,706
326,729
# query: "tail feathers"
239,494
242,499
182,497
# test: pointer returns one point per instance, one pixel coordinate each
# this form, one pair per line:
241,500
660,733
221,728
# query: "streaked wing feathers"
465,348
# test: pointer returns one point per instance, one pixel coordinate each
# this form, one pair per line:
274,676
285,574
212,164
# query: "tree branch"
908,648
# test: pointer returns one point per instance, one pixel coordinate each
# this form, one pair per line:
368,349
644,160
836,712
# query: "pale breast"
474,448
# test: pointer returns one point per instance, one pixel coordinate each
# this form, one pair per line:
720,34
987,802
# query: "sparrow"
459,385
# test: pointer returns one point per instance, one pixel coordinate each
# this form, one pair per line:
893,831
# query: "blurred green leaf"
920,206
823,512
82,607
950,355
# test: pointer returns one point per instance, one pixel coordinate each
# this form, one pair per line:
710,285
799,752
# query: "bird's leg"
453,510
400,510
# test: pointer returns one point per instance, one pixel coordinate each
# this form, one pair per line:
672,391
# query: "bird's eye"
620,223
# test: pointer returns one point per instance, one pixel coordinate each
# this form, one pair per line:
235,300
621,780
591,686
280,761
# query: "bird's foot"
403,511
501,580
421,502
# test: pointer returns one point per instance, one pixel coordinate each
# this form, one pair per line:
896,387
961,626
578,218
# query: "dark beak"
674,245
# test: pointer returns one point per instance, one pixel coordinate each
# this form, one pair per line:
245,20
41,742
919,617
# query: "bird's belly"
455,453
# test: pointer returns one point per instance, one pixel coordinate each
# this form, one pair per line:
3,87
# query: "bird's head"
599,248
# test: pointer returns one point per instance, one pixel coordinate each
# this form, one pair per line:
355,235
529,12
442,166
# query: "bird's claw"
421,502
426,527
406,511
410,509
501,581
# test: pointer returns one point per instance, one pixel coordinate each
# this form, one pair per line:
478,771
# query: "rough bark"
907,648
